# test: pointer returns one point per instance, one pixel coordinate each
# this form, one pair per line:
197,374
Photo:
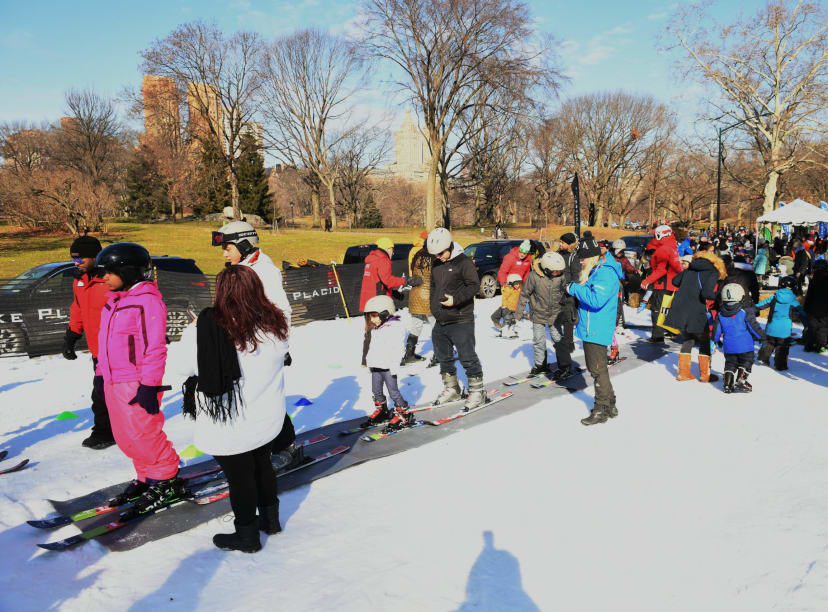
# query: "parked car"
487,257
358,253
34,306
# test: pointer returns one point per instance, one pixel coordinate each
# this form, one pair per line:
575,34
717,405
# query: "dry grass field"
21,249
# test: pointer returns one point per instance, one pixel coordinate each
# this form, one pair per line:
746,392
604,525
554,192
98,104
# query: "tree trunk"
770,192
712,220
431,186
234,195
315,203
599,213
333,204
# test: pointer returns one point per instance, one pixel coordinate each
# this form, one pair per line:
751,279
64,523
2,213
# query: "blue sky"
47,46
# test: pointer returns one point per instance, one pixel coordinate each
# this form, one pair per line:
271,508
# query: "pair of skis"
15,468
206,495
493,398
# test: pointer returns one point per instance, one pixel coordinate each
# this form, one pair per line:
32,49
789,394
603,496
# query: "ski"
560,383
309,441
211,473
384,434
461,414
519,380
223,491
15,468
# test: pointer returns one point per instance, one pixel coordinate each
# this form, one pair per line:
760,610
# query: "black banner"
34,315
577,216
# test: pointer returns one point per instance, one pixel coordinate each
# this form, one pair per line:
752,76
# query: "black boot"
288,458
742,383
410,356
598,415
433,361
728,381
269,519
380,415
780,359
245,539
563,373
98,442
159,494
133,491
539,368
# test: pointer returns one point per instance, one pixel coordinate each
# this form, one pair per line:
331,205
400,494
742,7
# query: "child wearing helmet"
381,353
509,294
736,330
132,352
517,262
544,292
778,329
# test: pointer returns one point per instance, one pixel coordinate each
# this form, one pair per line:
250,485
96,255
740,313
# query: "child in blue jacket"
778,329
736,330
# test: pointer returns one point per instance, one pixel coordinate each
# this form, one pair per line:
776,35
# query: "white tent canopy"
798,212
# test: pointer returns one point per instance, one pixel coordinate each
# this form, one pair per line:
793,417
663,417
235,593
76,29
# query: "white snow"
689,500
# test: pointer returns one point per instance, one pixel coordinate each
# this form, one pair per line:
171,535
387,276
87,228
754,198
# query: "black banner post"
577,217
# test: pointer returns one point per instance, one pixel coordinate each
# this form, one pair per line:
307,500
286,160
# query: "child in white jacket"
382,352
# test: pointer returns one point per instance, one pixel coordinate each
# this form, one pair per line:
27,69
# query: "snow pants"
140,435
734,361
655,309
460,335
562,355
101,428
781,346
817,332
252,481
507,315
595,356
380,377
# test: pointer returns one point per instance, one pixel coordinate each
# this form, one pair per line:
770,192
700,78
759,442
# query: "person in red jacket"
89,290
377,278
664,265
516,261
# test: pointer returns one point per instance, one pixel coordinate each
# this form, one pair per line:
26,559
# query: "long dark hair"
242,309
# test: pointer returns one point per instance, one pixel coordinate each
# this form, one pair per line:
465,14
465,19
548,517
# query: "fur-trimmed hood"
715,260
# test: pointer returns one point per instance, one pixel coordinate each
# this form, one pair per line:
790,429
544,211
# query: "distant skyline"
47,47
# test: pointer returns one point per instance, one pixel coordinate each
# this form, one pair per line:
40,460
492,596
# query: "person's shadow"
494,581
336,403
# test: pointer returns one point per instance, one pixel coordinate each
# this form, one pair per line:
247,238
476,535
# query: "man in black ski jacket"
454,283
572,272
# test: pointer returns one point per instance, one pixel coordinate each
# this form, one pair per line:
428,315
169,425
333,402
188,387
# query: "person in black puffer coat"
688,312
816,305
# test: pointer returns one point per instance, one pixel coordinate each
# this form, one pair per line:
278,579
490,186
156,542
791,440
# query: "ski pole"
341,295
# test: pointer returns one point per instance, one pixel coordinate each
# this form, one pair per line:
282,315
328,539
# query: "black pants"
817,332
655,309
460,335
286,437
252,482
734,361
781,346
690,340
566,325
101,428
595,356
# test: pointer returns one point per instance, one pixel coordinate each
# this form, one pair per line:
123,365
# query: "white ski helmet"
552,261
239,233
618,245
662,231
733,292
439,239
514,278
380,304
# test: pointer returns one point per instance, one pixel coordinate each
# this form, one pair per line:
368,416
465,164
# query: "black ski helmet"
789,282
128,260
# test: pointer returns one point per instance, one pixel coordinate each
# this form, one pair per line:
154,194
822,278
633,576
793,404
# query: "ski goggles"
220,239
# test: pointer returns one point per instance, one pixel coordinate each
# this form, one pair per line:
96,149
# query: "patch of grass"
23,249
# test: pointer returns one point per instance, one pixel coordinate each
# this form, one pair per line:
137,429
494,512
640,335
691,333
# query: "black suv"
358,253
488,256
34,307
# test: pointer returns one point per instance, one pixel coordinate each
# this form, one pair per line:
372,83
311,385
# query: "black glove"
69,341
147,397
288,359
98,387
414,281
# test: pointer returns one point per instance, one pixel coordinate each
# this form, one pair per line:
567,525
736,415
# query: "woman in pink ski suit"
131,359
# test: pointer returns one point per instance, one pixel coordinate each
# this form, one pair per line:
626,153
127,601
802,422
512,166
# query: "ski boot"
245,539
269,519
159,494
598,415
742,383
477,394
451,391
728,381
133,491
96,442
288,458
380,415
401,419
563,373
614,356
410,356
538,369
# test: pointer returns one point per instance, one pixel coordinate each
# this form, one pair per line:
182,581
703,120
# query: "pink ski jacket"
132,342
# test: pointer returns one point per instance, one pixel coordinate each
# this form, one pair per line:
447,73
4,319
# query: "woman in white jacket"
381,352
237,350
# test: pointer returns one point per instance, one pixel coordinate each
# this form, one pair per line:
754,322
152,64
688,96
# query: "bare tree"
357,156
770,72
220,77
309,79
604,136
448,52
548,173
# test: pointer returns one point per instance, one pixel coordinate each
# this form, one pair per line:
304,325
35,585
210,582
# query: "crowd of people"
232,359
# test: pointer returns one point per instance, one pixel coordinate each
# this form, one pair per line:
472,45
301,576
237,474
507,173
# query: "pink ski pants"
140,435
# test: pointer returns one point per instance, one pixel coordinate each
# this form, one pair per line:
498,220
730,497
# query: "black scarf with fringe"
218,372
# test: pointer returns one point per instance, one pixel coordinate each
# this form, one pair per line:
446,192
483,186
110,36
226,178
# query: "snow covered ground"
689,500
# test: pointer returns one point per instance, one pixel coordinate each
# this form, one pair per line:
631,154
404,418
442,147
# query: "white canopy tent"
798,212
